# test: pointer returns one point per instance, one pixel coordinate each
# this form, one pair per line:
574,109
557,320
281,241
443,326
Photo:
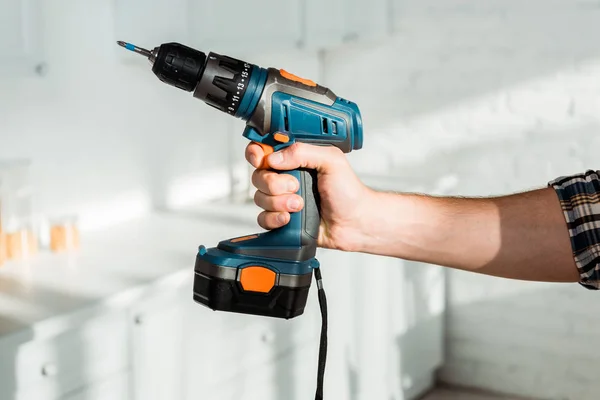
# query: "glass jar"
64,234
17,223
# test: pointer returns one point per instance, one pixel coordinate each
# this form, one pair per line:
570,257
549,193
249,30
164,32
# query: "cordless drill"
266,273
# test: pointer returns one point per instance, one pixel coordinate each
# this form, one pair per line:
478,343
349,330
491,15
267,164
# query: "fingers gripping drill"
267,273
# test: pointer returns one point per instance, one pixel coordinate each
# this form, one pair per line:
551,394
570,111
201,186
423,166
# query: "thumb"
303,155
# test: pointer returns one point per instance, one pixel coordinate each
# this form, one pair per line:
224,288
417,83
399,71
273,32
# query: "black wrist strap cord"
323,342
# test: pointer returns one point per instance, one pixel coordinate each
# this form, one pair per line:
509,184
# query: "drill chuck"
220,81
178,65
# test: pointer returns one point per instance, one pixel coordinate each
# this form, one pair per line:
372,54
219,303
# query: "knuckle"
334,153
336,156
263,201
260,178
257,195
294,150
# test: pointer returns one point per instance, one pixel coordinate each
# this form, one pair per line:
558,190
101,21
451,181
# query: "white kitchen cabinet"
50,368
157,347
20,39
238,28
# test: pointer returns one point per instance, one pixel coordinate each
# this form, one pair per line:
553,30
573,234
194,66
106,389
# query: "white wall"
496,97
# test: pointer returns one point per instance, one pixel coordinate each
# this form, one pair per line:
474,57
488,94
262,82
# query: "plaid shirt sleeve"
579,197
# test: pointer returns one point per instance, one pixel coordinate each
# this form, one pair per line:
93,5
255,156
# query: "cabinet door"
20,50
149,24
52,367
157,348
239,28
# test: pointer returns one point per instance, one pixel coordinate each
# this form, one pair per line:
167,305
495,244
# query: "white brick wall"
502,96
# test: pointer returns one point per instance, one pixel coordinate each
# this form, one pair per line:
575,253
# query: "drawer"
220,357
291,376
67,361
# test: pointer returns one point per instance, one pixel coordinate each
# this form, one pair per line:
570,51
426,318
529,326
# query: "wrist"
385,223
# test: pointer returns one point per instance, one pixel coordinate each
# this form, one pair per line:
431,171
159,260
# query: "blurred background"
110,180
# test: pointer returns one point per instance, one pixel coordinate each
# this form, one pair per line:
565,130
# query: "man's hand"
345,201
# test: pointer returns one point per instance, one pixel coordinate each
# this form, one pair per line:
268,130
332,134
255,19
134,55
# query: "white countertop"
53,292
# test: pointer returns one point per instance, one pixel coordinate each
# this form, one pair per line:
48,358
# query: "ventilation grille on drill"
328,127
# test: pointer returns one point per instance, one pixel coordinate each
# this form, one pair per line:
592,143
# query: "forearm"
520,236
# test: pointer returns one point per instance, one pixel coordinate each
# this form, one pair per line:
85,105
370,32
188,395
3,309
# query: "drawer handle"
49,370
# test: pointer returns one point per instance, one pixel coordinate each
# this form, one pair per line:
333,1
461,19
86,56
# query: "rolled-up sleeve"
579,197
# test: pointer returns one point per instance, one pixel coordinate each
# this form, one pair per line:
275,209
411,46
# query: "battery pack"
250,288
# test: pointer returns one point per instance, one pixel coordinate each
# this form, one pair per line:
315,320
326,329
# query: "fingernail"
276,158
291,186
281,218
294,204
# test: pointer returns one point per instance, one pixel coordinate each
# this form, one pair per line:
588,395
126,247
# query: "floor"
458,394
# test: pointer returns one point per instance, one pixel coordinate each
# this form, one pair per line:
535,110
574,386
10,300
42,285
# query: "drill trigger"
276,140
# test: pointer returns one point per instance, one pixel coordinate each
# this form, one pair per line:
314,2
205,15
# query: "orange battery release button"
295,78
257,279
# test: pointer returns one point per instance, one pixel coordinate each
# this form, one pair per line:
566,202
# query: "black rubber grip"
312,205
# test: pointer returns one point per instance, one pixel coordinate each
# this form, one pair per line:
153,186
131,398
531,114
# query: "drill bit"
135,49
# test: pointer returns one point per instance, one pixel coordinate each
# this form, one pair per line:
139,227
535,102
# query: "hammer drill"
268,273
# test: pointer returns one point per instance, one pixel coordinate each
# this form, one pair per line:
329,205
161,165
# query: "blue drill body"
299,119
